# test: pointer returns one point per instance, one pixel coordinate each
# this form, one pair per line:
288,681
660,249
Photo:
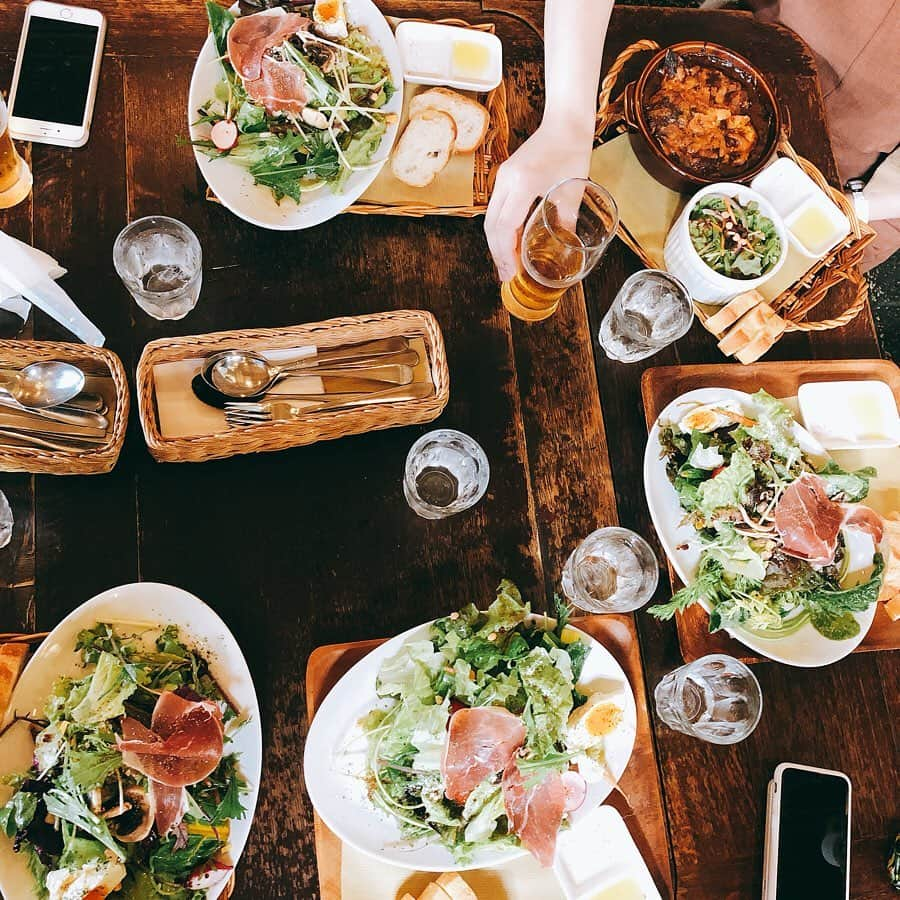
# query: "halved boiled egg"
95,880
587,730
330,18
711,416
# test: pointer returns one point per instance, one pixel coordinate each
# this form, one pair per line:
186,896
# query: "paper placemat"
453,186
181,414
647,209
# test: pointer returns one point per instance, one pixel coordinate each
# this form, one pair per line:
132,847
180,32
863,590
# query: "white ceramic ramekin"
682,260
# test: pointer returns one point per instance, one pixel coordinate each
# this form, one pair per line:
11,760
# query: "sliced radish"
224,134
576,790
209,875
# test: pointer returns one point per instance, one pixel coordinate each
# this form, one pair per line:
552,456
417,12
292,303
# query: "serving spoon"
44,384
243,374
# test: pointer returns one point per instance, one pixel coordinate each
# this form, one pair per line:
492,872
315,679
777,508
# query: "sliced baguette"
424,147
12,661
772,329
470,116
433,892
454,885
719,323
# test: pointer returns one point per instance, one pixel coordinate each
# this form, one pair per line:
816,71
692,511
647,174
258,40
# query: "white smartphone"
57,68
807,851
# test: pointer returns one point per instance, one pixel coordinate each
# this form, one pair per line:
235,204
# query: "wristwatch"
854,189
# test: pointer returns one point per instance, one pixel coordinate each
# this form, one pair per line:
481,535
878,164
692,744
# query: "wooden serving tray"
660,386
643,808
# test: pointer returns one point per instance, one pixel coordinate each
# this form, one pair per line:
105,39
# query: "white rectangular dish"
850,415
460,58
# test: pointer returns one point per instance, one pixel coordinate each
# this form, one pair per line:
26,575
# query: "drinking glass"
715,698
611,570
651,310
15,175
160,262
6,521
563,239
446,473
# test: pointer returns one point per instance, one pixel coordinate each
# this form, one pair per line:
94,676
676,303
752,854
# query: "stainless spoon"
44,384
243,373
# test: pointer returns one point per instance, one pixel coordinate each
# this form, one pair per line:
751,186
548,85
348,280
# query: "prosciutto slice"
281,86
534,813
809,522
480,742
182,746
168,805
251,36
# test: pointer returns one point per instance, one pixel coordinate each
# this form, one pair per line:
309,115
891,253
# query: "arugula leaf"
706,586
18,813
850,487
70,807
219,796
178,864
220,22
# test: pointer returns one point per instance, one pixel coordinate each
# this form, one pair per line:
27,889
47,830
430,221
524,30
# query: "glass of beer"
15,176
563,239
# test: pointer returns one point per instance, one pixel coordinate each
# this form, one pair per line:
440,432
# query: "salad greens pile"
734,239
729,479
500,657
339,130
80,807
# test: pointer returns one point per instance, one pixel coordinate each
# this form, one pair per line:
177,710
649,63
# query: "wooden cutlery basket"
105,375
221,440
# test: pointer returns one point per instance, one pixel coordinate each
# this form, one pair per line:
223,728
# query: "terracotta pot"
647,148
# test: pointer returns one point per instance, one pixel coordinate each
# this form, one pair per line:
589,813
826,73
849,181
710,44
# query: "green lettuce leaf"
411,671
107,692
729,488
506,612
483,810
850,487
735,553
18,813
775,425
549,694
70,807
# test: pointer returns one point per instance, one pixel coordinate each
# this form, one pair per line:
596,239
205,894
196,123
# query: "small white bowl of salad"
728,239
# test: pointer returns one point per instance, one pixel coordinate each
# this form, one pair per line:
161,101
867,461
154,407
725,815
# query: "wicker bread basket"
305,429
94,361
841,264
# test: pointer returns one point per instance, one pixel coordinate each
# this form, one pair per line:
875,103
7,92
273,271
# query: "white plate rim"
232,672
317,747
224,177
805,648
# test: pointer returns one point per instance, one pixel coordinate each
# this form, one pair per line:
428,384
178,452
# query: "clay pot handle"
610,112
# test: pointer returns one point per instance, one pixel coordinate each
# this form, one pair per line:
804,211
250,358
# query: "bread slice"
407,897
455,886
434,892
773,328
12,661
719,323
424,147
470,116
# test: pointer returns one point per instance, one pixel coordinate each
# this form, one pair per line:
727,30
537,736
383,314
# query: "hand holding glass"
564,238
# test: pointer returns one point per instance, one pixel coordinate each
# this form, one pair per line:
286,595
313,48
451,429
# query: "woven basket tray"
309,428
94,361
842,264
493,151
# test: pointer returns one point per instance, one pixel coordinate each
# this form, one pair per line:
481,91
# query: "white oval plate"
805,647
233,184
334,761
146,603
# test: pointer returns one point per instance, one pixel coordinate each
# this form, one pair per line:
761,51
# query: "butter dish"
850,415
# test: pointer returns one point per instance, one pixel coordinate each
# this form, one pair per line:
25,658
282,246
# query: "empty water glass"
446,473
652,310
715,698
160,262
613,570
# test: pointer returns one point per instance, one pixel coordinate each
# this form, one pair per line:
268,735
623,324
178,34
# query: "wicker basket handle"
607,111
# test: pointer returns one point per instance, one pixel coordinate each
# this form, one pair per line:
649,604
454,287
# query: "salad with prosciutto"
783,537
131,788
300,101
483,737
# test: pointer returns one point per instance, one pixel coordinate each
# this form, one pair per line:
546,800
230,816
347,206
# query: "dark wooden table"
341,557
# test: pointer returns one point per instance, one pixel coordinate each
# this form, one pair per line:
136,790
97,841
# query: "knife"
78,418
30,422
383,375
345,384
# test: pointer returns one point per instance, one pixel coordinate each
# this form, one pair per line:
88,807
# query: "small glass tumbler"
652,310
15,174
160,262
613,570
446,473
715,698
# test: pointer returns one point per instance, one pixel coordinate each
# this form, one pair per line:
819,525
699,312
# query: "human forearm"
574,34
